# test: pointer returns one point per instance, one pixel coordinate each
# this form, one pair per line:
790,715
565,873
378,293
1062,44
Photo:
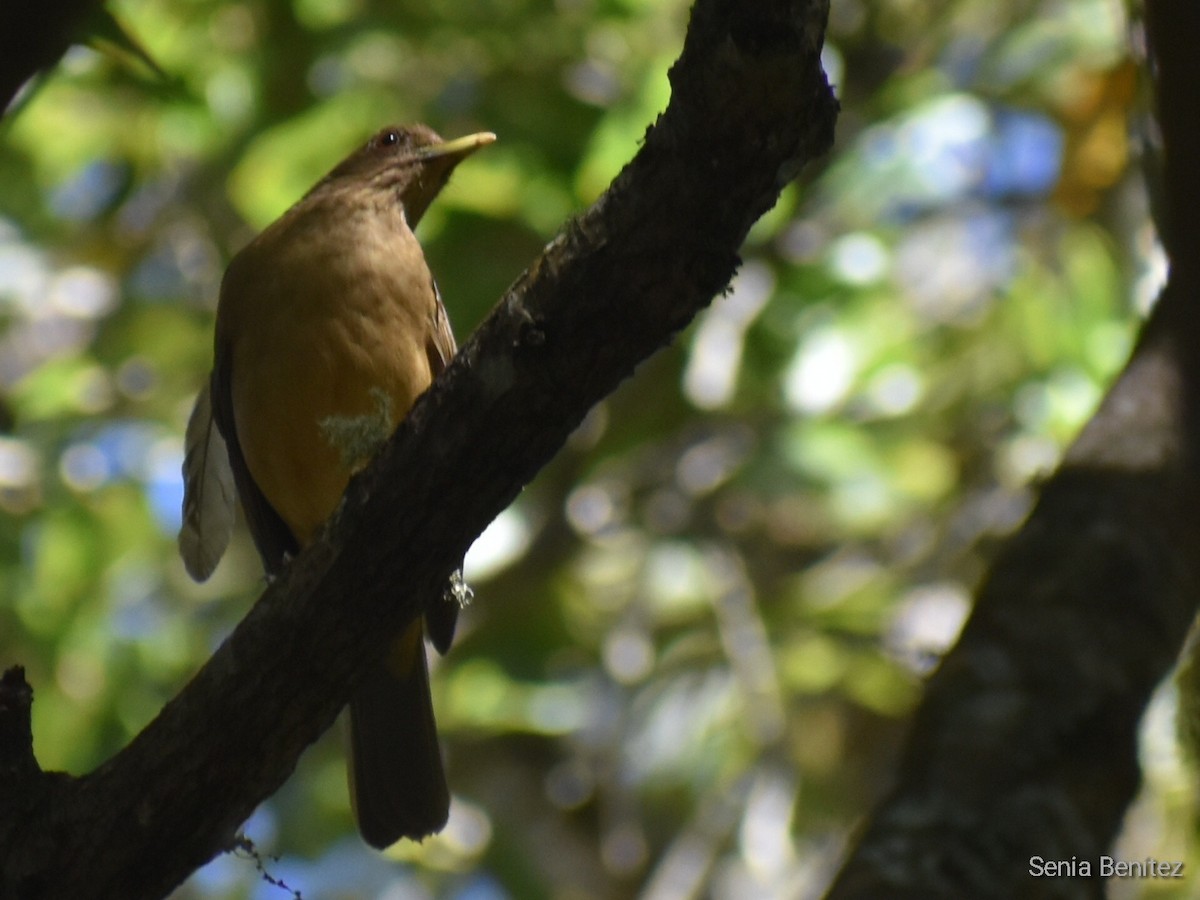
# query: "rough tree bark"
1025,742
750,105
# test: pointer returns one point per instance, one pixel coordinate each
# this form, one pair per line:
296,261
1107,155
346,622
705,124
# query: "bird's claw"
458,591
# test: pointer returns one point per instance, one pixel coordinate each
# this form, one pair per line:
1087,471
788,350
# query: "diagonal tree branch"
1025,744
749,107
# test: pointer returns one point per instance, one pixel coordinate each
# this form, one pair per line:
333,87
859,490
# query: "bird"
329,326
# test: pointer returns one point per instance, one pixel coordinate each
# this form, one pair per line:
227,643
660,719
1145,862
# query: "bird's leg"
358,438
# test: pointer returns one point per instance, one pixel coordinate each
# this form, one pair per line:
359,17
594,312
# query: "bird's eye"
388,138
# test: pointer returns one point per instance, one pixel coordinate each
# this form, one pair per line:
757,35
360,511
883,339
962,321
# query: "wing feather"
440,345
442,616
209,495
272,537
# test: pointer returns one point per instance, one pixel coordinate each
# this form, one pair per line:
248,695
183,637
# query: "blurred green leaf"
707,626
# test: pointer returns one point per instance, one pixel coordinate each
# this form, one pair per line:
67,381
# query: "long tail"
397,783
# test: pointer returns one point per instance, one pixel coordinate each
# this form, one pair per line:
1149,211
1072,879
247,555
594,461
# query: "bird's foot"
458,591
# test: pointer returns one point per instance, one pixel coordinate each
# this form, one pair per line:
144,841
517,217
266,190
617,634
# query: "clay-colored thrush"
329,326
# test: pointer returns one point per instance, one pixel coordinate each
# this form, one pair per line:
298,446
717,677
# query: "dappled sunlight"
698,635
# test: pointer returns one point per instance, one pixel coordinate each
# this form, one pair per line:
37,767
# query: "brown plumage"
329,326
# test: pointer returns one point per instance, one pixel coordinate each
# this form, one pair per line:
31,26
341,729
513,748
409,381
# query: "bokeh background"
699,633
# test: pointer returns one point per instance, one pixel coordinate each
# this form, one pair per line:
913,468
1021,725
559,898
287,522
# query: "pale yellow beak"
459,147
437,161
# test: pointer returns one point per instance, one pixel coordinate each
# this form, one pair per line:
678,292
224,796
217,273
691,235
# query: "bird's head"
409,161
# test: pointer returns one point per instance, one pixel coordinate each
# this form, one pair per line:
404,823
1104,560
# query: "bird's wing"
272,537
440,345
441,617
209,500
